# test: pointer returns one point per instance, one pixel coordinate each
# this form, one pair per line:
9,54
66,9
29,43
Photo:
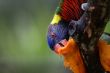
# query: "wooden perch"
98,15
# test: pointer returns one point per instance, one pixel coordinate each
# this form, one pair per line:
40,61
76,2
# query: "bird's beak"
60,45
64,46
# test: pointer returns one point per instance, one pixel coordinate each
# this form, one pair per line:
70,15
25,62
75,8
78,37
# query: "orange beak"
72,57
65,47
58,47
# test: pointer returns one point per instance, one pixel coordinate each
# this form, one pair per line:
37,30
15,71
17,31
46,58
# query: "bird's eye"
53,35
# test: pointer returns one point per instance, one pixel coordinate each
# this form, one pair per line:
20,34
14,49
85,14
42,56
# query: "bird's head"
57,35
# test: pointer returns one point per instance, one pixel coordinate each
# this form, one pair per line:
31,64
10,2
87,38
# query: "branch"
98,15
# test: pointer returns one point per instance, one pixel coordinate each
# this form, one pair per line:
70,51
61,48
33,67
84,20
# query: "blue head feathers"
56,33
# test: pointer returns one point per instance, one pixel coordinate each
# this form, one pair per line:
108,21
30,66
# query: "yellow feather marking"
56,19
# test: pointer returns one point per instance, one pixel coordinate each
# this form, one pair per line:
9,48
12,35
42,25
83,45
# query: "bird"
69,21
58,32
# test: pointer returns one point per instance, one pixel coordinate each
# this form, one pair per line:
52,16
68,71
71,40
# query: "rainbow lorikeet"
58,29
77,19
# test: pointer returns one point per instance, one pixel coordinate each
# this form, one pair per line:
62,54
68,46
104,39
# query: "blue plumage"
56,33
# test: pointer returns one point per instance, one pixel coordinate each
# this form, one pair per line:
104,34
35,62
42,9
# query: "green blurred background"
23,46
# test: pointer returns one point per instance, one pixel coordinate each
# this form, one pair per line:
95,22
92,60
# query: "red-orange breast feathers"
72,57
71,9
